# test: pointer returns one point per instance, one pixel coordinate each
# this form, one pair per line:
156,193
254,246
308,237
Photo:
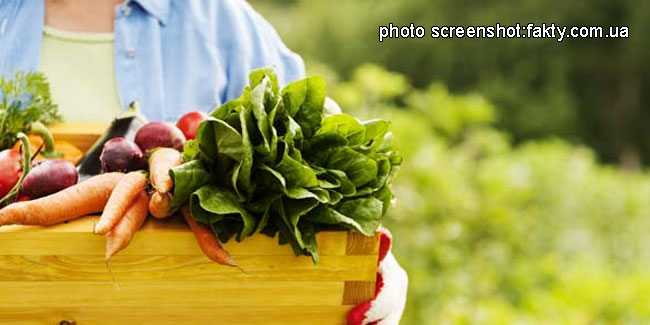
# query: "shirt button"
126,10
130,53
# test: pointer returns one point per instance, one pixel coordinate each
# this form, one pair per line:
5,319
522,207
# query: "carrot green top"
81,71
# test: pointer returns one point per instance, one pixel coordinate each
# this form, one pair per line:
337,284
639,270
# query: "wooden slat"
85,224
182,268
82,135
78,128
169,237
169,294
356,292
240,315
57,273
359,244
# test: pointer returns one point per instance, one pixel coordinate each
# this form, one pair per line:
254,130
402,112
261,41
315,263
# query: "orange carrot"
119,237
160,205
71,203
160,162
125,192
207,240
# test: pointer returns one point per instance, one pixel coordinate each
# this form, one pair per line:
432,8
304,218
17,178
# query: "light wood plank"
359,244
169,237
356,292
86,224
238,315
82,135
78,128
57,273
182,268
169,294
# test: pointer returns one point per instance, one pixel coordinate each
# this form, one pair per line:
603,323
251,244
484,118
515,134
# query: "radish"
121,155
49,176
10,170
159,134
190,122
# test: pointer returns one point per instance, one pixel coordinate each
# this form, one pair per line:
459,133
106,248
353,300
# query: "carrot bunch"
124,213
208,242
160,162
71,203
124,203
120,236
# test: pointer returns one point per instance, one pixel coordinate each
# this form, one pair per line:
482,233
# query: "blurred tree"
593,91
492,233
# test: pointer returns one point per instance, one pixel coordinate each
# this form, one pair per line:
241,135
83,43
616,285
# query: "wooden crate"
56,274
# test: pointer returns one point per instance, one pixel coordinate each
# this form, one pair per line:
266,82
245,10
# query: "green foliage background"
591,91
505,211
493,233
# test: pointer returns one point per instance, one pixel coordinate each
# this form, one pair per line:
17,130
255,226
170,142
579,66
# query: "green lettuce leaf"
211,205
272,162
363,215
187,178
359,168
304,101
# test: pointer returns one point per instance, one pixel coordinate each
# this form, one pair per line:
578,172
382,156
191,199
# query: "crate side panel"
168,237
356,292
180,268
359,244
240,315
82,135
169,294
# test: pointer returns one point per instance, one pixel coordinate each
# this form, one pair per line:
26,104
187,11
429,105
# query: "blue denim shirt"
170,55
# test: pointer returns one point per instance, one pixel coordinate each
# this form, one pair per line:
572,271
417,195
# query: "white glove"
390,294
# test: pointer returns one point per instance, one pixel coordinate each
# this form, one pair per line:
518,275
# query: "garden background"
525,192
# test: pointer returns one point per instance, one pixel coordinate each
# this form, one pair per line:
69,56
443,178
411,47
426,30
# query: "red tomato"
190,122
10,170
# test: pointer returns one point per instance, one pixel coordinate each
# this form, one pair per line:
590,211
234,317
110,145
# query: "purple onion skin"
48,177
159,134
121,155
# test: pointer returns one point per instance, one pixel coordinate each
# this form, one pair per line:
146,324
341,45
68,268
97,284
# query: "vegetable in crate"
121,155
120,236
125,125
273,161
12,178
71,203
41,137
124,193
10,170
208,243
161,160
160,205
24,99
189,123
159,134
48,177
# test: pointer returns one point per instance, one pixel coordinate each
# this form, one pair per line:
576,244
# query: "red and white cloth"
390,294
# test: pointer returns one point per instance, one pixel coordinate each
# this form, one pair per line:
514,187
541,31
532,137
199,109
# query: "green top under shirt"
81,70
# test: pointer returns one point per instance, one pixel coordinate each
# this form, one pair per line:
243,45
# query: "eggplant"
126,125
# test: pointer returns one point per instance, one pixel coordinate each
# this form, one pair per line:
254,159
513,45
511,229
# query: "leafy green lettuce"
273,162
